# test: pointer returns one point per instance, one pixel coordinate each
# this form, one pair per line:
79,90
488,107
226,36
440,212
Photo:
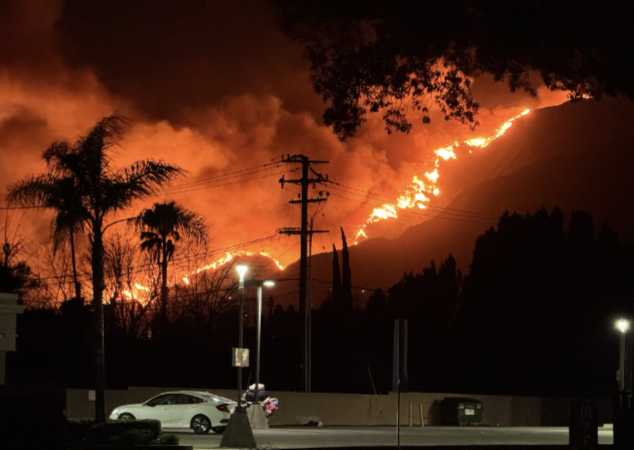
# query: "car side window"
183,399
157,400
170,400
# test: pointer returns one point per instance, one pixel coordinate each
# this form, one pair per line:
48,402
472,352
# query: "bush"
114,432
78,431
167,439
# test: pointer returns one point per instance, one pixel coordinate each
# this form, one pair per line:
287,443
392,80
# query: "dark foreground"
305,437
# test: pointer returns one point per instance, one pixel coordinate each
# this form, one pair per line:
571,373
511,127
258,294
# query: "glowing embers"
419,193
142,294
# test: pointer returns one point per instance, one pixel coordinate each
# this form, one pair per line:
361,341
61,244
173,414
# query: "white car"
200,411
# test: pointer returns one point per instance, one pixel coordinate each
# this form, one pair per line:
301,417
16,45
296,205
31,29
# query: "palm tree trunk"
97,283
72,258
164,289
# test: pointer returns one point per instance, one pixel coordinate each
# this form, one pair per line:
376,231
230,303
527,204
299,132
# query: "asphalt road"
309,437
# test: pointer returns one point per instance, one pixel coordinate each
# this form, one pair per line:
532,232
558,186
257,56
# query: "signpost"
584,425
240,357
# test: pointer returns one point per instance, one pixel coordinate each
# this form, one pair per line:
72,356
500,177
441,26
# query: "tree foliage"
392,56
162,226
98,191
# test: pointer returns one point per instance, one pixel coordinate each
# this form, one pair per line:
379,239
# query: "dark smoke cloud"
169,57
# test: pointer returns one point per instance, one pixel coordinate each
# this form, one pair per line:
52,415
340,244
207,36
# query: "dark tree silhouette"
391,56
162,226
538,306
101,191
346,274
57,191
15,275
336,276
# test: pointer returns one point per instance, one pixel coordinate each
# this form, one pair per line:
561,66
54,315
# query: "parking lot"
314,437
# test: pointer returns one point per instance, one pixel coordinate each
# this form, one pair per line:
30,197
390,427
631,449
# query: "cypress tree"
346,276
336,276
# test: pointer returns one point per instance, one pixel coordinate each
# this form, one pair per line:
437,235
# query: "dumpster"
461,411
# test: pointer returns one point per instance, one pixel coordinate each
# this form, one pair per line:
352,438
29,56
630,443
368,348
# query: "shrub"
123,433
167,439
112,432
78,431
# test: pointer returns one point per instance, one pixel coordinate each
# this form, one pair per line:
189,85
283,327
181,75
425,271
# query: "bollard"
422,418
411,419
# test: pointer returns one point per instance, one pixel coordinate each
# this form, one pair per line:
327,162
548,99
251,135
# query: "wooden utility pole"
303,231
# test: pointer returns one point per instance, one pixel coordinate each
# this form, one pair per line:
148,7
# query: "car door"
158,408
184,409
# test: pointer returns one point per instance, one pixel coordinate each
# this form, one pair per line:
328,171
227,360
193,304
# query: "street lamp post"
259,334
242,270
623,414
623,326
238,433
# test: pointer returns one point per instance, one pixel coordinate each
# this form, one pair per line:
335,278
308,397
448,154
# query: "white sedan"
200,411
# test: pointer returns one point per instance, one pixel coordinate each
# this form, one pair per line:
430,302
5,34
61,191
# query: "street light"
242,270
259,284
238,433
623,326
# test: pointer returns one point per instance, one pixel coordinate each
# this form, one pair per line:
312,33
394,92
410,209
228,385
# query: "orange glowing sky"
215,88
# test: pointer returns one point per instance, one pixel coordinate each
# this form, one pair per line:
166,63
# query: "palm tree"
98,191
162,226
58,193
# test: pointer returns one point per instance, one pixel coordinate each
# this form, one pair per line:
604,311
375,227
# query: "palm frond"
37,190
136,182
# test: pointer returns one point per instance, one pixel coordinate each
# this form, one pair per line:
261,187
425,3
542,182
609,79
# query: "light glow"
242,269
623,325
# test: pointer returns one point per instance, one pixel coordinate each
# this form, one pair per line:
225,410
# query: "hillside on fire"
576,156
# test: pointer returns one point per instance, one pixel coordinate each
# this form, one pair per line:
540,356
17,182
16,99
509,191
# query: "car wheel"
126,417
201,424
218,430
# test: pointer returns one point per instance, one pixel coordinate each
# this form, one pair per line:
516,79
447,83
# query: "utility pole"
304,182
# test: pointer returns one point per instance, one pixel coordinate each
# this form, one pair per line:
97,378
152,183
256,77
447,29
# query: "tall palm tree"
162,226
98,191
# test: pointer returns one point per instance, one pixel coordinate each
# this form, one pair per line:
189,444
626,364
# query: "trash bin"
461,411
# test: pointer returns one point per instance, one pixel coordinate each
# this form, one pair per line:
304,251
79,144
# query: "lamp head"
623,325
268,283
242,269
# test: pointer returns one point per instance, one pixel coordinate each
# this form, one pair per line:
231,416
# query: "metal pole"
240,340
259,332
622,364
309,312
303,263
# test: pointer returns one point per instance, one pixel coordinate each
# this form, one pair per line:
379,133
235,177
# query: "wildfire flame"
227,258
139,292
420,192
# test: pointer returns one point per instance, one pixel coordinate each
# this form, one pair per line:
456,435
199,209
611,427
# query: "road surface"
313,437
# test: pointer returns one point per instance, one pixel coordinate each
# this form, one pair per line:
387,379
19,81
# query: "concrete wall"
297,408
